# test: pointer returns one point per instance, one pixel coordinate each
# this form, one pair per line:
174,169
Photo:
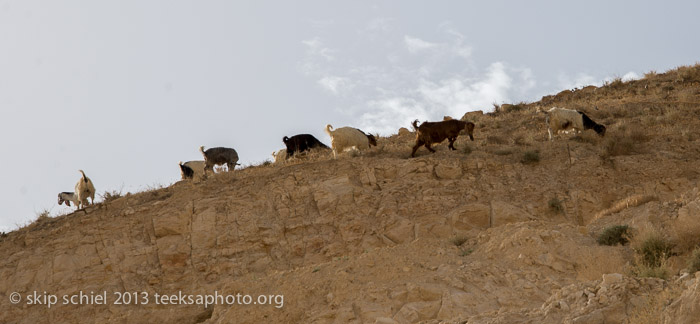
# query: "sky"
125,89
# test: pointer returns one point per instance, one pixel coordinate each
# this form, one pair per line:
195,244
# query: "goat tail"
201,149
180,163
329,129
415,124
84,177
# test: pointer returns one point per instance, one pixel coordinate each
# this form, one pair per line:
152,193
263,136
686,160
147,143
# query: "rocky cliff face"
501,231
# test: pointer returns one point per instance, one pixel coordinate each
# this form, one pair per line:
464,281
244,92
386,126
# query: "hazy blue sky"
126,89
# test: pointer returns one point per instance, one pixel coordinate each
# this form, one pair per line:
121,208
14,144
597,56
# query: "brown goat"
435,132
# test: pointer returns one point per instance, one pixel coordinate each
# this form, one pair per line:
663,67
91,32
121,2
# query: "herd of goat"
344,139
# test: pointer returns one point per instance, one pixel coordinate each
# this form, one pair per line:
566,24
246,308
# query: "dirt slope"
501,231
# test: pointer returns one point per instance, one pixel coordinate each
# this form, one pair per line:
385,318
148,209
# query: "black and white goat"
562,119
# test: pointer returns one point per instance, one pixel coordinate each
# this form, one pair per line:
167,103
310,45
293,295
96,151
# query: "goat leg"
415,148
452,143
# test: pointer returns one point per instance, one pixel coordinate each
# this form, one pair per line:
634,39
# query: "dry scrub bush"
108,196
555,205
652,251
614,235
530,157
458,240
42,215
661,270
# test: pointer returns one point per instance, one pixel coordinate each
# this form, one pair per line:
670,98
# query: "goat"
84,189
280,155
190,169
370,138
435,132
562,119
300,143
67,197
219,155
347,137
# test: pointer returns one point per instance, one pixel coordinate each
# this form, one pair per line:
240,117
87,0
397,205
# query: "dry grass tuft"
43,215
652,251
108,196
631,201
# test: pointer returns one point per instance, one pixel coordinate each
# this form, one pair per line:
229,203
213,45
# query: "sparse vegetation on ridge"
534,209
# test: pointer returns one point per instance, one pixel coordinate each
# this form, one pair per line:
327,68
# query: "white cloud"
385,94
527,81
415,45
316,48
335,85
631,76
579,81
457,95
386,116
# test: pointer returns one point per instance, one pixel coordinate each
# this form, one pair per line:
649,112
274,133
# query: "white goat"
280,156
191,169
347,137
84,189
561,119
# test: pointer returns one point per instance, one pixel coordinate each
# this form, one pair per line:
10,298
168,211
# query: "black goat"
300,143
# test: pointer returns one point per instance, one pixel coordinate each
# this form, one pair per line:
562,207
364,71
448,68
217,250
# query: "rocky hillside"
503,230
